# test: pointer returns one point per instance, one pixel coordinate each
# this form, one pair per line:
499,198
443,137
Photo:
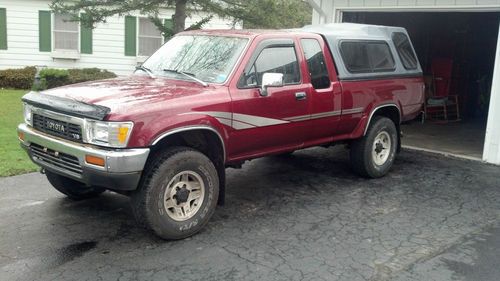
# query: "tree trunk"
180,16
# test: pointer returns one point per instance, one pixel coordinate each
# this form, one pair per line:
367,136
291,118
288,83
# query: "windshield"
208,58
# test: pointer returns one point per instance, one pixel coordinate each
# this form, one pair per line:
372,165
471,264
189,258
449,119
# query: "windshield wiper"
189,75
145,69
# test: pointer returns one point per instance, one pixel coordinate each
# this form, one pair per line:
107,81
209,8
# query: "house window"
150,37
65,33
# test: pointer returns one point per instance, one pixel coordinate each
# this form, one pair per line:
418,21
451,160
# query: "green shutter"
85,38
168,23
130,36
3,29
44,34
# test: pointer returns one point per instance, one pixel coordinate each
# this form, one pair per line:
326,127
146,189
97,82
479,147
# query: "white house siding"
108,40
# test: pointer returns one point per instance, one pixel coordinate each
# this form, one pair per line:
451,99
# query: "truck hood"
130,94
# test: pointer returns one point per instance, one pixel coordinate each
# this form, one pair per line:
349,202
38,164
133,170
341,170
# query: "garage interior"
457,53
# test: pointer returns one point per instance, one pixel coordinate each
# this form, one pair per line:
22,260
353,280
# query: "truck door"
325,90
263,124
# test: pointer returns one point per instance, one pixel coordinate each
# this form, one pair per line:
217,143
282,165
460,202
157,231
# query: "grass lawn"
13,159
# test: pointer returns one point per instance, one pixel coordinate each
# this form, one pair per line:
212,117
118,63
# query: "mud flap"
221,171
400,136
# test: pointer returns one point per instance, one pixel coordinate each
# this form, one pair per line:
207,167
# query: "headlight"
28,114
112,134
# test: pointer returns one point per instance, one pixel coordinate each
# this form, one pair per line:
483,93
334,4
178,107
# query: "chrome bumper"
122,169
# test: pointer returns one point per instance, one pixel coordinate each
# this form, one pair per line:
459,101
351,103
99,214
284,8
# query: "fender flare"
375,110
191,128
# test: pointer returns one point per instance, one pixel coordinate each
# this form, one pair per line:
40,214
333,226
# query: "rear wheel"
73,189
373,155
178,194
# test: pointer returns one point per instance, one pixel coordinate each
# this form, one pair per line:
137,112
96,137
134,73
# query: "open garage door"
457,53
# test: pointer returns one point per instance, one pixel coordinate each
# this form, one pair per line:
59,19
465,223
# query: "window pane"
275,60
150,37
62,23
65,40
366,57
380,57
65,33
147,46
147,28
316,63
355,57
405,50
209,58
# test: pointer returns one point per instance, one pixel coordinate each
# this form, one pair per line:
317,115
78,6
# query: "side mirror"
270,80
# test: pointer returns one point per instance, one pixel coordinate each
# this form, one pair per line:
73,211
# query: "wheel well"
391,112
205,141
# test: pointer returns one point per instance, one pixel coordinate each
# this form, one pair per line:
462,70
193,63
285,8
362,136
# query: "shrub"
21,78
54,77
88,74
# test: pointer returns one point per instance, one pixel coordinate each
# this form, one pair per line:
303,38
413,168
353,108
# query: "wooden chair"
440,105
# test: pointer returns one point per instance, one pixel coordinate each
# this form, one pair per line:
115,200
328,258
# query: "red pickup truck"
207,100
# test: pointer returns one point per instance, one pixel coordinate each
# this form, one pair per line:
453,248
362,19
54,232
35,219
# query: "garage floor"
459,138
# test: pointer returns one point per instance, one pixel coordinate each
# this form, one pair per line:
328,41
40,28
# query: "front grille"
60,160
57,128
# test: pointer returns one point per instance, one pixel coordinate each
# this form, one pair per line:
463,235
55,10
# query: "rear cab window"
316,63
367,56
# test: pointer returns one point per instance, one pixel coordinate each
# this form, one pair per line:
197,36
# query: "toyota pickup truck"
208,100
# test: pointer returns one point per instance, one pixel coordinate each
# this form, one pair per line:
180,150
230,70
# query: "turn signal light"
94,160
20,135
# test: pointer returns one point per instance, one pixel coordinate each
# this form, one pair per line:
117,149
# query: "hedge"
17,78
49,77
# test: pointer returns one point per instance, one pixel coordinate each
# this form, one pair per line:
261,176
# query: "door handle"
300,96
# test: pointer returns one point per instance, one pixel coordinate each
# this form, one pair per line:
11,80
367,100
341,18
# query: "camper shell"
339,35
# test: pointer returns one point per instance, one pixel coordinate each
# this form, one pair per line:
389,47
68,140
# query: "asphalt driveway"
303,217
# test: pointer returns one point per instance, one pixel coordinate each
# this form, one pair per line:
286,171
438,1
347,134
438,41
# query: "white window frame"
142,58
64,53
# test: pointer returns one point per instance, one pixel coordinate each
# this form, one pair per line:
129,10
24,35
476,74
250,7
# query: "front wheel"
178,194
373,155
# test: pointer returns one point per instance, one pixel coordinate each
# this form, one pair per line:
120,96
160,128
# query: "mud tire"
148,201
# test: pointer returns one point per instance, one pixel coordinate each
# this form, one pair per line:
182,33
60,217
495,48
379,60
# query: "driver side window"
273,60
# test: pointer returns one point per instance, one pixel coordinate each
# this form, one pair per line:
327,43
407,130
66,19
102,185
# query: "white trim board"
338,11
491,151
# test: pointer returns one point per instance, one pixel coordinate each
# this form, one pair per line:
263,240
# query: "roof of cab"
245,32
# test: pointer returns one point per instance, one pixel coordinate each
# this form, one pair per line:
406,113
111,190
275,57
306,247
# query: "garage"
457,47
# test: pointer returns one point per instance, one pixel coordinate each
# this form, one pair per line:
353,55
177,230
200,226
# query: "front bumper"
122,169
